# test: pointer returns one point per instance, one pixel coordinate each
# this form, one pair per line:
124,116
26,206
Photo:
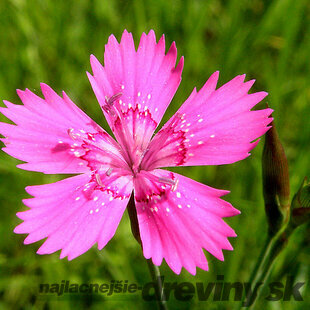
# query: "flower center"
132,127
107,158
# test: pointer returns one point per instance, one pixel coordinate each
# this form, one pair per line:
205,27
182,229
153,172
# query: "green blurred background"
50,41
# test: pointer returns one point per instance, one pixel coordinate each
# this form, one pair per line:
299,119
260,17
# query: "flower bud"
301,205
276,188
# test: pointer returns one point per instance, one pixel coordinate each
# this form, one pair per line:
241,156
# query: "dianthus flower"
178,217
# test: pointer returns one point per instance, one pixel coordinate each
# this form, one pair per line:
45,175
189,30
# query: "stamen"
98,179
108,109
109,171
109,103
113,98
75,134
71,133
177,117
164,180
175,186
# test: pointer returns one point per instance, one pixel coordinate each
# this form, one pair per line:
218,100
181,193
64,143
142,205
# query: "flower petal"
146,79
74,214
212,127
177,222
42,136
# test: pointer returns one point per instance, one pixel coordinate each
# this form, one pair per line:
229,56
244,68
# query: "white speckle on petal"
188,206
102,204
191,154
111,198
97,210
200,120
149,96
168,210
156,209
122,86
139,94
139,106
95,198
179,206
77,198
178,194
192,135
156,109
129,105
200,142
212,136
60,141
91,211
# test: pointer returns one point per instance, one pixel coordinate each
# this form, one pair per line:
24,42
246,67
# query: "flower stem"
160,294
154,270
273,246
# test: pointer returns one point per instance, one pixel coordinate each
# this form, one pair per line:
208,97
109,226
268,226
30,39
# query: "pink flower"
178,217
